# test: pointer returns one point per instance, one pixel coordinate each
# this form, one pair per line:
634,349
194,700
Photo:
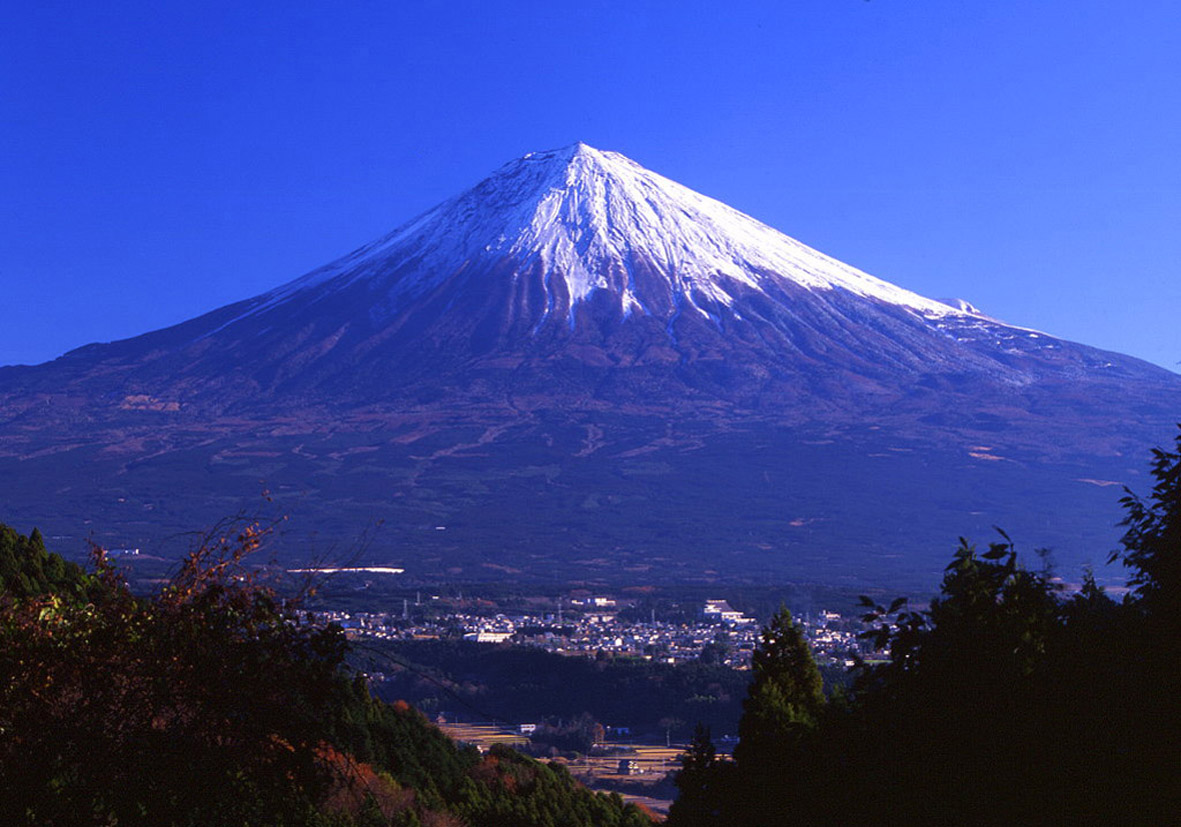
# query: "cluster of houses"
591,625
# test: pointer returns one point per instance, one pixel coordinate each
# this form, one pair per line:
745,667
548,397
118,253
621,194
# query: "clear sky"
158,160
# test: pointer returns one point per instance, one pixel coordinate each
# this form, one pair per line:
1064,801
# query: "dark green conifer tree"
785,695
780,714
701,784
1152,543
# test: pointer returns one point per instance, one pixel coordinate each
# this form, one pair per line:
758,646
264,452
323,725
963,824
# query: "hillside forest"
1007,701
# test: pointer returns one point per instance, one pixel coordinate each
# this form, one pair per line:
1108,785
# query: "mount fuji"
579,369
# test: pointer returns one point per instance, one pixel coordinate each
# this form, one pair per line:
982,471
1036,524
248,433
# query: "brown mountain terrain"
581,370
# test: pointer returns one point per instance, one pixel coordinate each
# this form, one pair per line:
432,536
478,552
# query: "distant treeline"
517,684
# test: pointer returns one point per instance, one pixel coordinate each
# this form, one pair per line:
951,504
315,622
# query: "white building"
488,636
721,610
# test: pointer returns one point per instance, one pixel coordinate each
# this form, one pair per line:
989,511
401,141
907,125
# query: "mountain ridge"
532,342
541,240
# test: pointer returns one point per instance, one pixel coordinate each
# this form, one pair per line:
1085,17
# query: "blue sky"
160,160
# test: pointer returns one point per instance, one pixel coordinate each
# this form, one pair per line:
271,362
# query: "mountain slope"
583,256
577,313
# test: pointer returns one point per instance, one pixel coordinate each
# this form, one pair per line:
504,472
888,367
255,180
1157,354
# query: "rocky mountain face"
581,369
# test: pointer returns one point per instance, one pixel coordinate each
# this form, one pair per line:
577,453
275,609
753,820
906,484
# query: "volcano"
579,369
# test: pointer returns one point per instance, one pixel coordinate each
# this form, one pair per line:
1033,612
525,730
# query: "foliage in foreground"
211,703
1005,702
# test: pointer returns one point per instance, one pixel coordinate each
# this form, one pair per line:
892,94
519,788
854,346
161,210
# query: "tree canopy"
1009,699
214,702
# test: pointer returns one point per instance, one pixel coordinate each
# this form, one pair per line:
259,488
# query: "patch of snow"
961,304
589,215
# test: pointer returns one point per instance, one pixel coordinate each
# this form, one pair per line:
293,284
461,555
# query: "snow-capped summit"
583,255
579,256
595,220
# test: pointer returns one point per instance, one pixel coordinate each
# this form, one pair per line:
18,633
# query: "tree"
1152,543
715,652
1152,551
212,702
1006,701
206,702
785,694
991,621
27,569
779,716
701,784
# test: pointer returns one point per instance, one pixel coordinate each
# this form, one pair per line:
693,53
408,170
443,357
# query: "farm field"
651,762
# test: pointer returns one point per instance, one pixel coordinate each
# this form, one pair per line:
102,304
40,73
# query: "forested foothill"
1007,701
209,702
